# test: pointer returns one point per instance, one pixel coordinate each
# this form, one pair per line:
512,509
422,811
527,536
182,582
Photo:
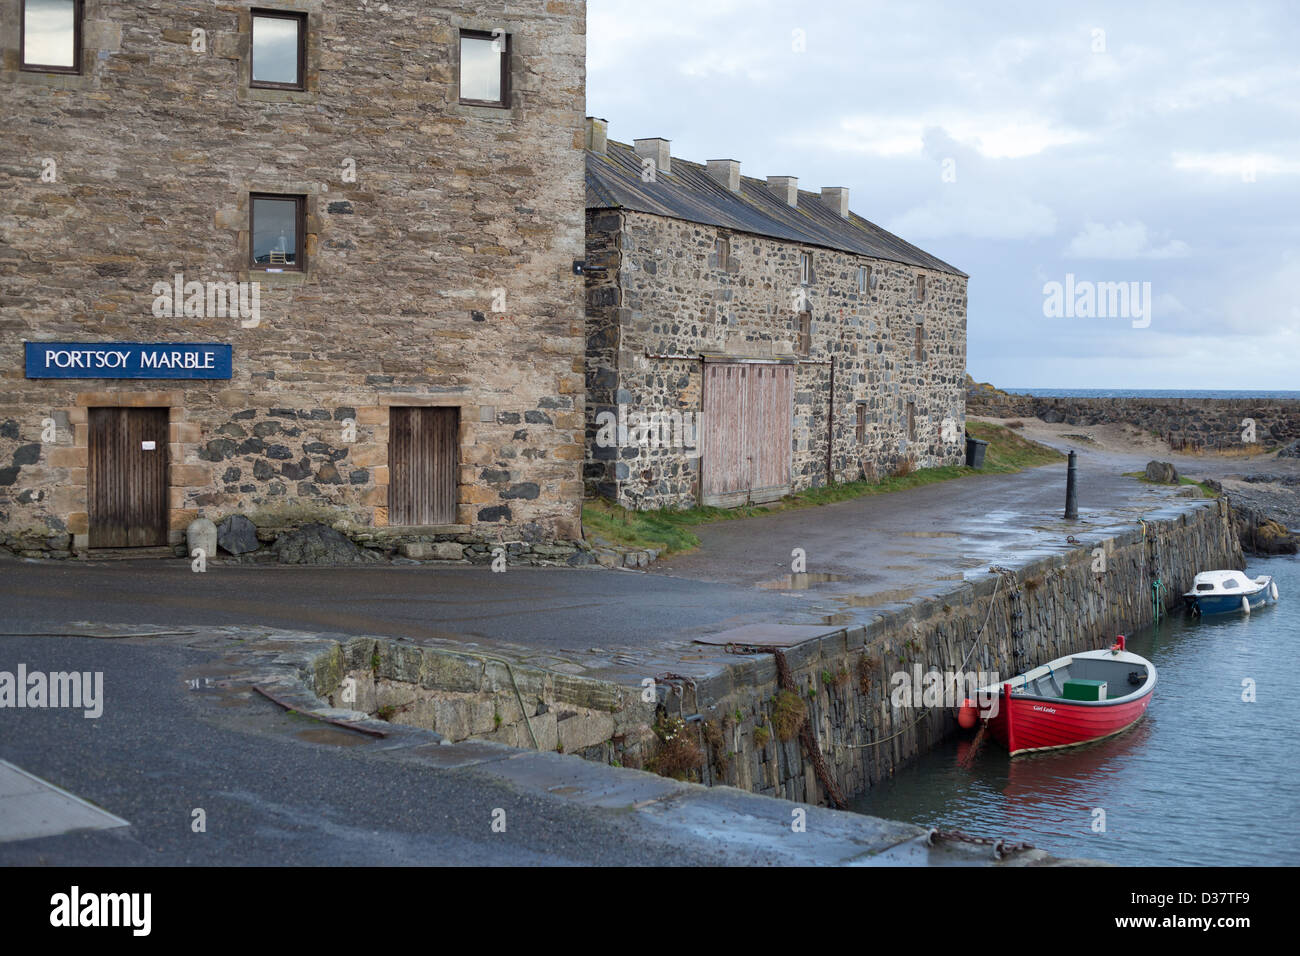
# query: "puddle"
328,735
876,599
929,534
799,582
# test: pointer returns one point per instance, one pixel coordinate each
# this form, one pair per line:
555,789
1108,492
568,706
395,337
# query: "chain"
1001,848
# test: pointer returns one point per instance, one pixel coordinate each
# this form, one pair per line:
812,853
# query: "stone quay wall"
440,241
664,300
733,727
1187,424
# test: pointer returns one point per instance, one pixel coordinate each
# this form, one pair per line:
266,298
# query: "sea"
1151,393
1211,774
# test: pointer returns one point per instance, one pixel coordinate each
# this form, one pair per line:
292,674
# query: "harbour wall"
1187,424
737,725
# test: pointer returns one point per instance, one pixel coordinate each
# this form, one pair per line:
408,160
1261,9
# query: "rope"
808,738
1001,572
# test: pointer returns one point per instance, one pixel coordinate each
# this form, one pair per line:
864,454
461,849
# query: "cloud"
1121,241
1246,166
978,215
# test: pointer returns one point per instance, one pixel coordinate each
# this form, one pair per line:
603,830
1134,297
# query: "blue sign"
127,360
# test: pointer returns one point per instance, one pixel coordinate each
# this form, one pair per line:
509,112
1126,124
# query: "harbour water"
1205,778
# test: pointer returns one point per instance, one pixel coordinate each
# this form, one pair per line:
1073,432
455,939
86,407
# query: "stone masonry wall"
441,274
670,298
1191,424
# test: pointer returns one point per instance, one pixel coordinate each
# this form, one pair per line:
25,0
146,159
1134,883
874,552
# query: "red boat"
1072,700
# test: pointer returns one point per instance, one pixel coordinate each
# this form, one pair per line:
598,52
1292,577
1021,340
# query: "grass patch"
669,531
1141,476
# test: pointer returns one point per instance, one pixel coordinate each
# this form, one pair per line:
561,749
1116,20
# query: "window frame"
301,19
860,423
911,420
920,342
805,268
722,249
920,287
78,18
504,102
804,346
300,237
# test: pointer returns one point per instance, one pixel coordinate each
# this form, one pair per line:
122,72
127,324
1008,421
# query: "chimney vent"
657,150
837,198
725,171
597,134
786,187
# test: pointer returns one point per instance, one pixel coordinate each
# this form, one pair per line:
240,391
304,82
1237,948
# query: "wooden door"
748,427
126,477
423,458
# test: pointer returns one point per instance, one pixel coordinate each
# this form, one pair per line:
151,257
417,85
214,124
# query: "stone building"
746,338
293,257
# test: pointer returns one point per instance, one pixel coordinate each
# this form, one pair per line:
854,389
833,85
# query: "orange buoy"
967,714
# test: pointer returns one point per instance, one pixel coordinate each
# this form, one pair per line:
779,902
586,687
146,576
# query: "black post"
1071,490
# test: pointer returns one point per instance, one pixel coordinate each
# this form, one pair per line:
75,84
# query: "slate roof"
689,193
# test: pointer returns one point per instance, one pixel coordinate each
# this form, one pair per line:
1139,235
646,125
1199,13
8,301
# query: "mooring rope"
808,738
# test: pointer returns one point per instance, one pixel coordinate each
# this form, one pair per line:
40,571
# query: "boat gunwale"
1042,670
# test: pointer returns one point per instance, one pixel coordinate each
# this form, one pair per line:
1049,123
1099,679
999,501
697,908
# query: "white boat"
1216,592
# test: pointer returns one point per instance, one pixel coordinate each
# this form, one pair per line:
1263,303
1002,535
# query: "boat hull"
1227,603
1026,725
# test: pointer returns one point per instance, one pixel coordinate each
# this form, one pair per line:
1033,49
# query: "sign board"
127,360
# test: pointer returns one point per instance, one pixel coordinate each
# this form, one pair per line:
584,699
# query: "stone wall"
439,274
664,301
1188,424
726,727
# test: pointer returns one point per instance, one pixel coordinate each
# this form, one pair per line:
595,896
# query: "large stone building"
299,256
746,338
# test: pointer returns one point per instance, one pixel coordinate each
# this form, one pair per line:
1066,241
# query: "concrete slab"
31,807
766,635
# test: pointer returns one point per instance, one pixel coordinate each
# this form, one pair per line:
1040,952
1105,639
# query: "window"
276,226
864,278
861,424
485,68
723,250
920,288
805,268
920,342
805,333
911,421
51,35
279,50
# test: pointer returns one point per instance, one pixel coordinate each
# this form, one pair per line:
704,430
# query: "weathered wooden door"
422,464
747,432
126,477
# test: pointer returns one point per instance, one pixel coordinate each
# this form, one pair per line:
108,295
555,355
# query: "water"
1153,393
1204,778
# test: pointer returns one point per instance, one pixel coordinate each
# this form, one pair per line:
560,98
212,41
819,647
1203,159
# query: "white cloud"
979,215
1244,165
1121,241
994,136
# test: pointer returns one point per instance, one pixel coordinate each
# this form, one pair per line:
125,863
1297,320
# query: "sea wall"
737,726
1187,424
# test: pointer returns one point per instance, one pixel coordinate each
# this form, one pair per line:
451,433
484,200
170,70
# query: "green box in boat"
1085,690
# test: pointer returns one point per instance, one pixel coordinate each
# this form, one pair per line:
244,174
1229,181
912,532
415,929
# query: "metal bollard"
1072,489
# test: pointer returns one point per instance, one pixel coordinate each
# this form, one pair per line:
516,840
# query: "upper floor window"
860,426
51,35
864,278
485,68
805,268
277,231
920,288
279,49
804,346
920,342
722,248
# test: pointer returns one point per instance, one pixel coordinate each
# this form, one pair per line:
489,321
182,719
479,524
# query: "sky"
1151,144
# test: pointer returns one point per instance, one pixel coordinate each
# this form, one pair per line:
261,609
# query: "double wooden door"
747,427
